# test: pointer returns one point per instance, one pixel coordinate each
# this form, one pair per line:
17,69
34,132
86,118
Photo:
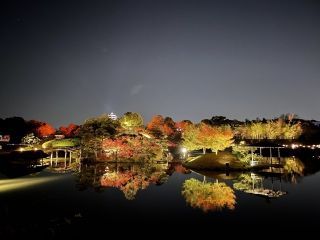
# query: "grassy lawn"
212,161
61,143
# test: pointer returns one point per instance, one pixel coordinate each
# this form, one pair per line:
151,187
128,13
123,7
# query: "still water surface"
52,204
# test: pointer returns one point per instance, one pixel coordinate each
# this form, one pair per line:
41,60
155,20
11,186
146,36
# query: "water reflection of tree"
208,196
129,178
178,168
128,182
293,168
244,182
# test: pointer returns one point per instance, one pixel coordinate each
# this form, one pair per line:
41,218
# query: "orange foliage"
159,126
128,182
182,125
167,130
129,147
45,130
181,169
156,122
70,130
208,196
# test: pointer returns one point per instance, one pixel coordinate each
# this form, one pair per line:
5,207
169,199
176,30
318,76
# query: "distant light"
183,150
21,149
36,149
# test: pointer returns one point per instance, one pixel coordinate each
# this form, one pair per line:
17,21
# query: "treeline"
270,129
17,128
285,127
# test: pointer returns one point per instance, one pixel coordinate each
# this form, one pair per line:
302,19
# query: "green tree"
244,154
190,137
131,120
94,131
271,129
243,182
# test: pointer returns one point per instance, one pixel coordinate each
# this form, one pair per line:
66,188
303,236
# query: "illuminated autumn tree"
214,138
156,125
117,148
244,153
70,130
131,120
45,130
159,126
132,147
178,130
169,126
190,138
272,129
208,196
203,136
293,131
182,125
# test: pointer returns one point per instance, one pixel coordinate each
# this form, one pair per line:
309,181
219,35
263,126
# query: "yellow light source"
21,149
293,146
183,150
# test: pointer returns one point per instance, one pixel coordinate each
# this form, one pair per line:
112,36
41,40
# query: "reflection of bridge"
259,189
67,155
260,148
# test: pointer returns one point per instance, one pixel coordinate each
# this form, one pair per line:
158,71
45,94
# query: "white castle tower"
112,116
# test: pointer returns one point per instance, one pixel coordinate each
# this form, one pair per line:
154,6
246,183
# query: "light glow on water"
16,184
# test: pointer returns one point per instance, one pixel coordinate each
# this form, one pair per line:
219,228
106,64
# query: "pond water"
97,197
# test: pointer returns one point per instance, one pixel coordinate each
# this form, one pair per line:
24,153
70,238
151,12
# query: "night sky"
66,61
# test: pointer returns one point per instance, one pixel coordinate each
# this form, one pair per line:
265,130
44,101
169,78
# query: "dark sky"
65,61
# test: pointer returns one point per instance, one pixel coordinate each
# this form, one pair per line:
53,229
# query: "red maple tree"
45,129
70,130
